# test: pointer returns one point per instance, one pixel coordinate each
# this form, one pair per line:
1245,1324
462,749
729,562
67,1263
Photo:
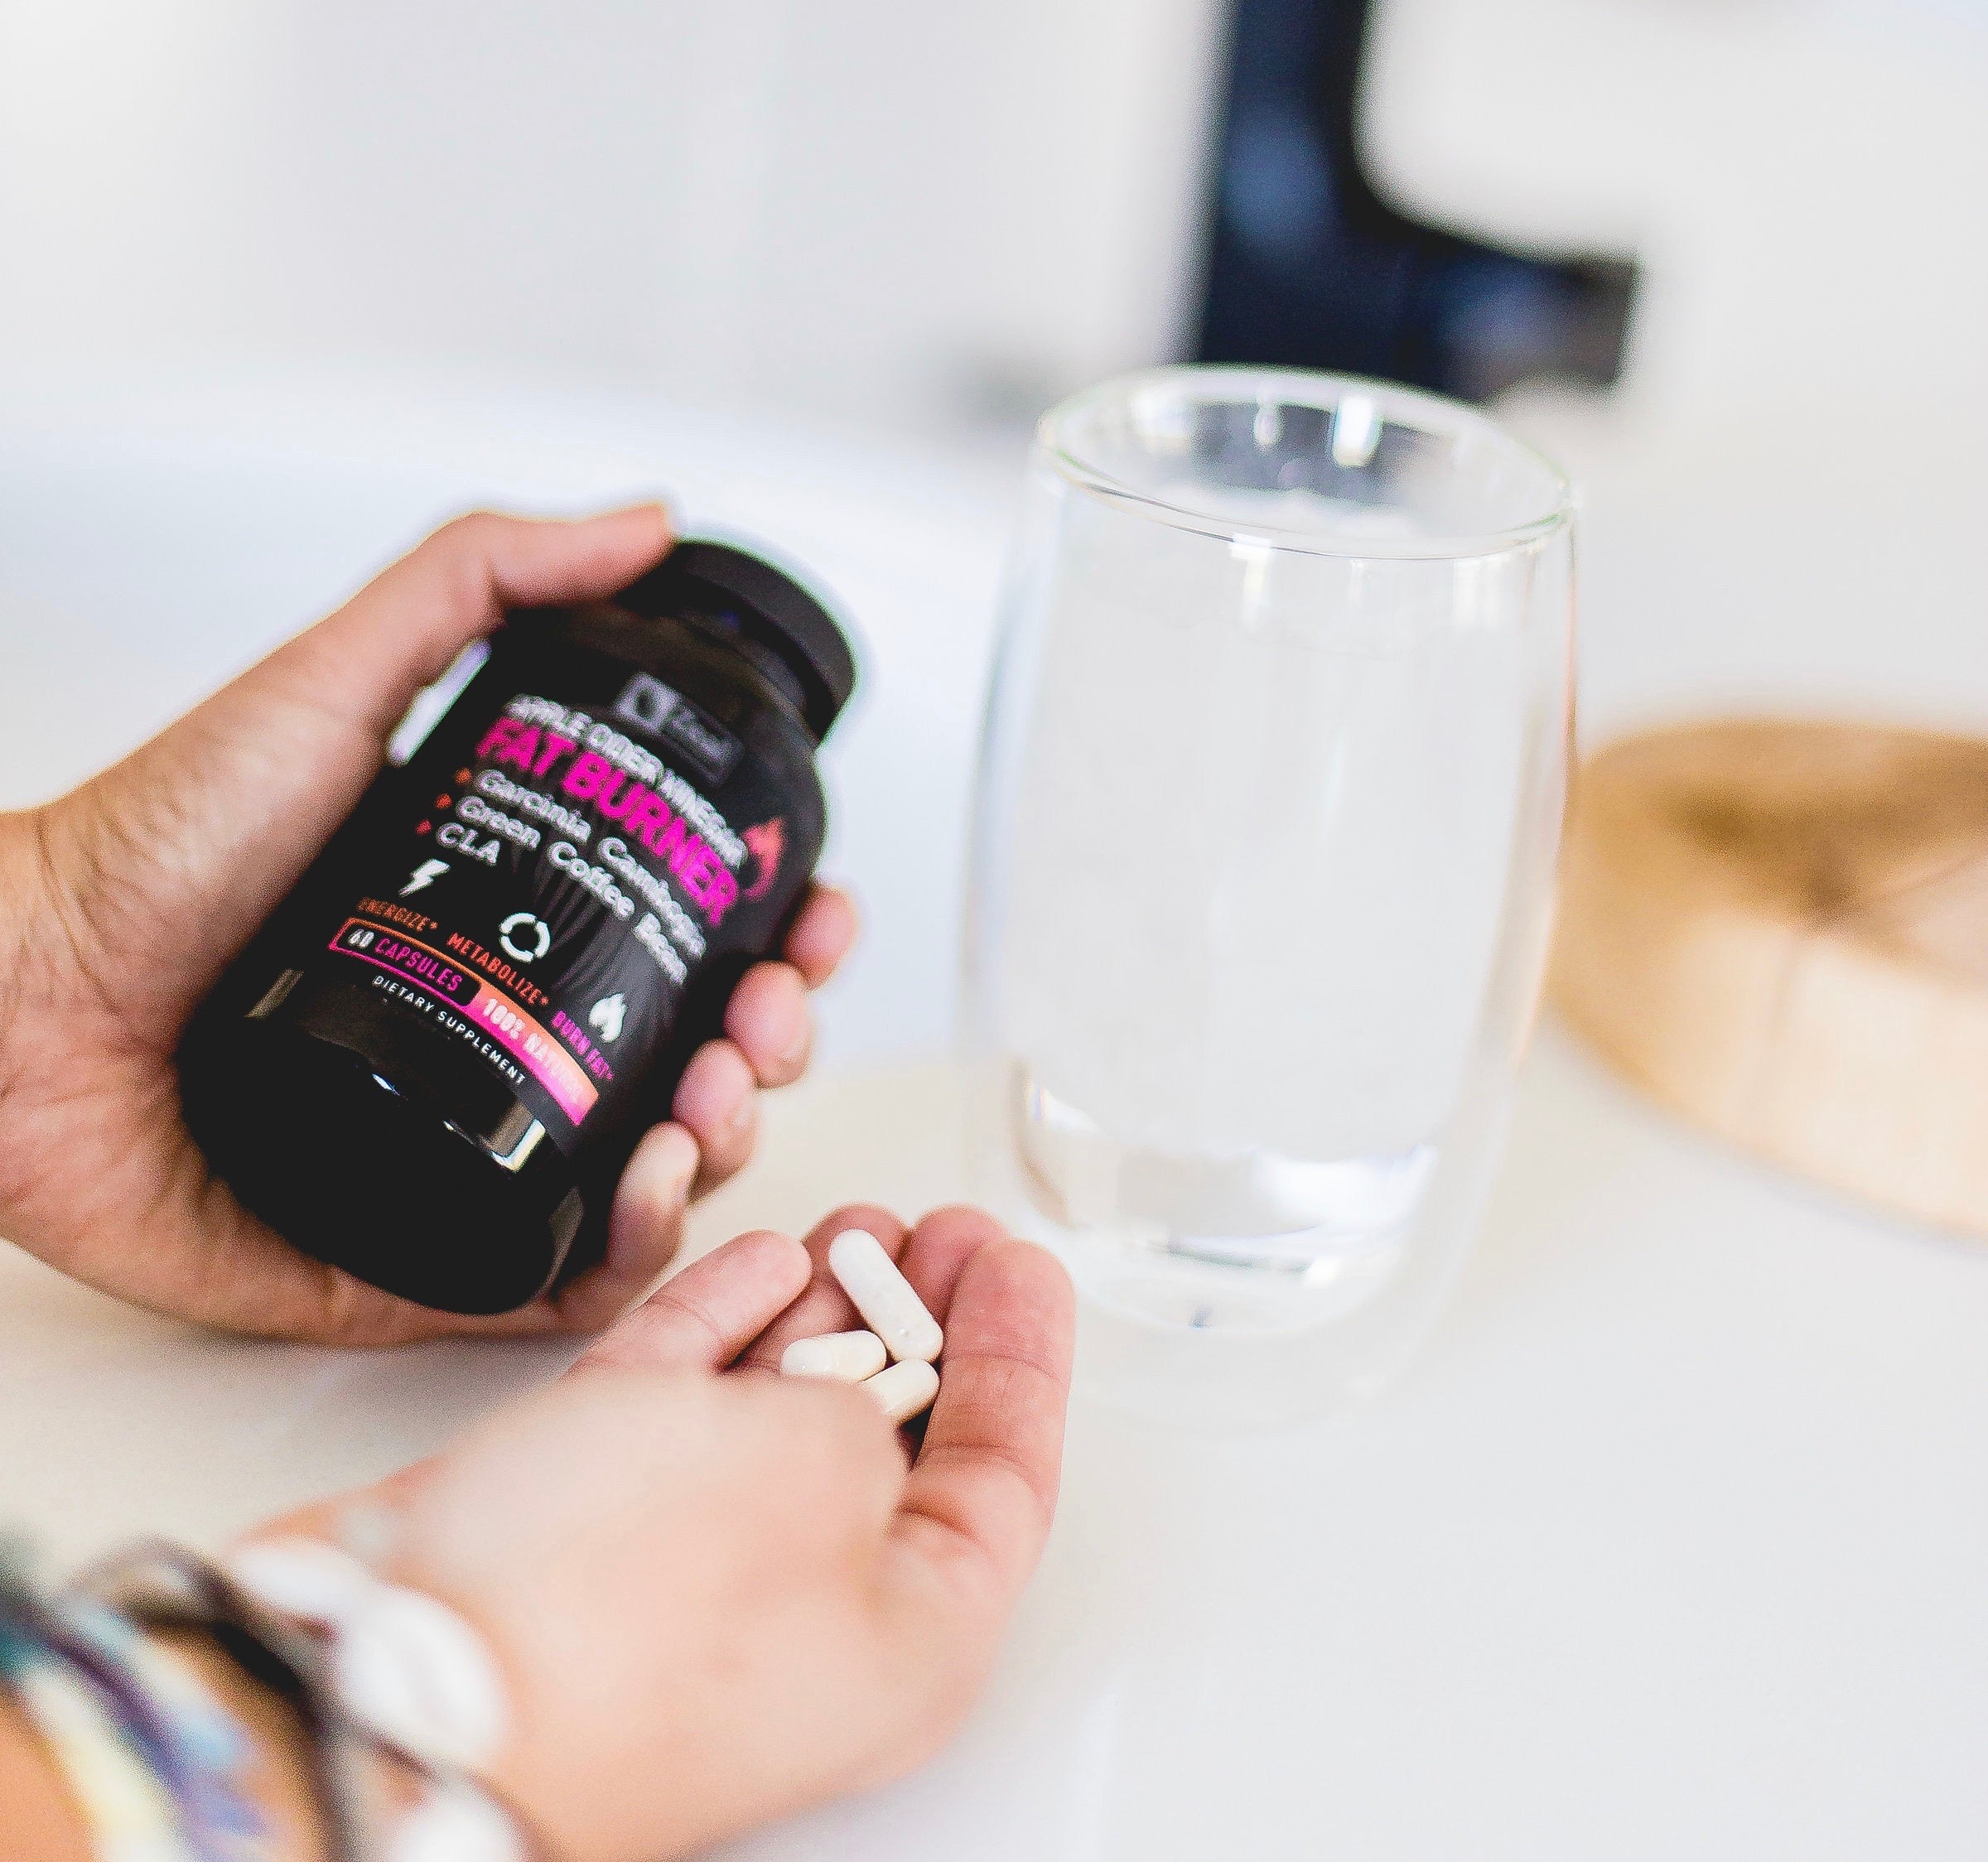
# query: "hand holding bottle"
121,903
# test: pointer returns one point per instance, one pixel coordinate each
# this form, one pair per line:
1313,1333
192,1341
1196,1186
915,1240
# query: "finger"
824,1307
931,1257
644,1229
770,1023
704,1317
404,628
718,1103
978,1504
937,1249
253,782
205,1257
823,932
209,1260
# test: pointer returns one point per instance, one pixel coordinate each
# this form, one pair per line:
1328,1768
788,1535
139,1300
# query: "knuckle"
720,1066
469,531
963,1221
703,1079
880,1221
463,546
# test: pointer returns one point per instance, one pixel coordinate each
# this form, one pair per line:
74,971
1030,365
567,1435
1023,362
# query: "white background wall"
879,208
893,210
1806,182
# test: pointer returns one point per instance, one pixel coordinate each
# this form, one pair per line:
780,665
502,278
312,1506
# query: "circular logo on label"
531,929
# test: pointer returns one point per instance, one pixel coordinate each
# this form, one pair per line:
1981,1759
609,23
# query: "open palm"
718,1594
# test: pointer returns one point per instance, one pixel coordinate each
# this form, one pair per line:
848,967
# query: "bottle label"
564,877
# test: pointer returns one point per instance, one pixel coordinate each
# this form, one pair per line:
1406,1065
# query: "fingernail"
796,1050
741,1117
645,1226
674,1156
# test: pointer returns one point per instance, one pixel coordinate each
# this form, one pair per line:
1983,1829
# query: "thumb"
181,849
366,662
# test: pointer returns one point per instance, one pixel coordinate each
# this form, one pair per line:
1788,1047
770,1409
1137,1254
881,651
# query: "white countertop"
1670,1544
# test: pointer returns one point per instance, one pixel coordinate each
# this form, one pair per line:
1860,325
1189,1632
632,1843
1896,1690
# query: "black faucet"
1308,265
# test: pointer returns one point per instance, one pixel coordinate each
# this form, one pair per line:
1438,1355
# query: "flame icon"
766,843
606,1015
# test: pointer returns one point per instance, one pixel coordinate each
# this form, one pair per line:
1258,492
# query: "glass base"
1254,1208
1246,1292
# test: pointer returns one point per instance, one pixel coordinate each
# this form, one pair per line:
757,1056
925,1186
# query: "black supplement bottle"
431,1064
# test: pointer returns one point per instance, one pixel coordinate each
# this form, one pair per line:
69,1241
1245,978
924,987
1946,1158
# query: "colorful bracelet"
157,1764
397,1697
390,1685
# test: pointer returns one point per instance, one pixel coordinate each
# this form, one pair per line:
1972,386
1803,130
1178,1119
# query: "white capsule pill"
847,1356
905,1389
884,1296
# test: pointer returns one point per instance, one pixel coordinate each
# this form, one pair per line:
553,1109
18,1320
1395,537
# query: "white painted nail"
905,1389
848,1357
884,1296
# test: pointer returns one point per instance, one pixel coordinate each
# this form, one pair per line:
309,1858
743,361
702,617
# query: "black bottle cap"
768,606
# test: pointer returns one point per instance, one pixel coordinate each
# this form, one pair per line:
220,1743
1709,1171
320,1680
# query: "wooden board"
1780,928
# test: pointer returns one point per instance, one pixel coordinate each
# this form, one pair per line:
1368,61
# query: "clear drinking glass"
1269,800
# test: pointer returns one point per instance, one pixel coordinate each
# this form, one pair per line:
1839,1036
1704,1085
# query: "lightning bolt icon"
423,876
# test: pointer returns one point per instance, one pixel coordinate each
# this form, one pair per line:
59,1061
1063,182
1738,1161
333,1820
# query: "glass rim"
1324,389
